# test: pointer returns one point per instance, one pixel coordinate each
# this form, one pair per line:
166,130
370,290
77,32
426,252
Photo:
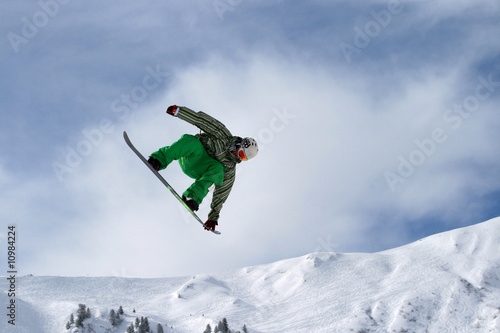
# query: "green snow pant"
195,162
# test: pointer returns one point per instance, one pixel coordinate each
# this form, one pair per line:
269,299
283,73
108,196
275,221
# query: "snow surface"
449,282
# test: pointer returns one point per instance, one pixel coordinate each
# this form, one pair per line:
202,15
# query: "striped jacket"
218,143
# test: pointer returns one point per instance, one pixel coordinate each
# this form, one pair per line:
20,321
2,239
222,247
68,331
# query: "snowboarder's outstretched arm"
221,194
203,121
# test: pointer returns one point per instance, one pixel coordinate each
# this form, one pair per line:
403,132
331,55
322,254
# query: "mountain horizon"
447,282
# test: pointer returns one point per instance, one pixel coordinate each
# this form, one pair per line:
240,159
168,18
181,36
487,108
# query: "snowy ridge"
449,282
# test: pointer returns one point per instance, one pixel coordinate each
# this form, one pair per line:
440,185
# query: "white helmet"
250,148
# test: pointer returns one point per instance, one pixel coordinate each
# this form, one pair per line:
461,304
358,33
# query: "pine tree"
112,317
87,313
244,328
146,325
131,329
143,325
68,325
159,328
208,329
71,319
81,315
223,326
137,322
120,310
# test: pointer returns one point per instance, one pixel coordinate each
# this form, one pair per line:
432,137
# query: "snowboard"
143,159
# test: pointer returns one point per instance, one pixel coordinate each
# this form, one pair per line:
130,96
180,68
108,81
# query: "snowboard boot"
154,163
193,205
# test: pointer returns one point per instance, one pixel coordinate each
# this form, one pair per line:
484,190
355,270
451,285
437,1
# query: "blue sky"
378,123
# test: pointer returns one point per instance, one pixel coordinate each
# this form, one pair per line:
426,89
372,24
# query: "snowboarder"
209,157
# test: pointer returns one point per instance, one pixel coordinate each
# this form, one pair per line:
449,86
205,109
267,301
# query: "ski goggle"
241,154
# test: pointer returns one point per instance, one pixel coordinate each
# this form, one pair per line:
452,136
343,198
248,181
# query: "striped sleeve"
205,122
221,194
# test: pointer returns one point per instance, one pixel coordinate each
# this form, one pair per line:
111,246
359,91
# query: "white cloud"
321,172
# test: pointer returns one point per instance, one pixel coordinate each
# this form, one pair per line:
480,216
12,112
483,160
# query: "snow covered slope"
449,282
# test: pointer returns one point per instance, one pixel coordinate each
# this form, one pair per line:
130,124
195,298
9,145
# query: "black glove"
154,163
193,205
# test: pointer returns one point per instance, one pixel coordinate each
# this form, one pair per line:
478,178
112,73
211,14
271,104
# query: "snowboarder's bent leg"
213,174
194,162
187,145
